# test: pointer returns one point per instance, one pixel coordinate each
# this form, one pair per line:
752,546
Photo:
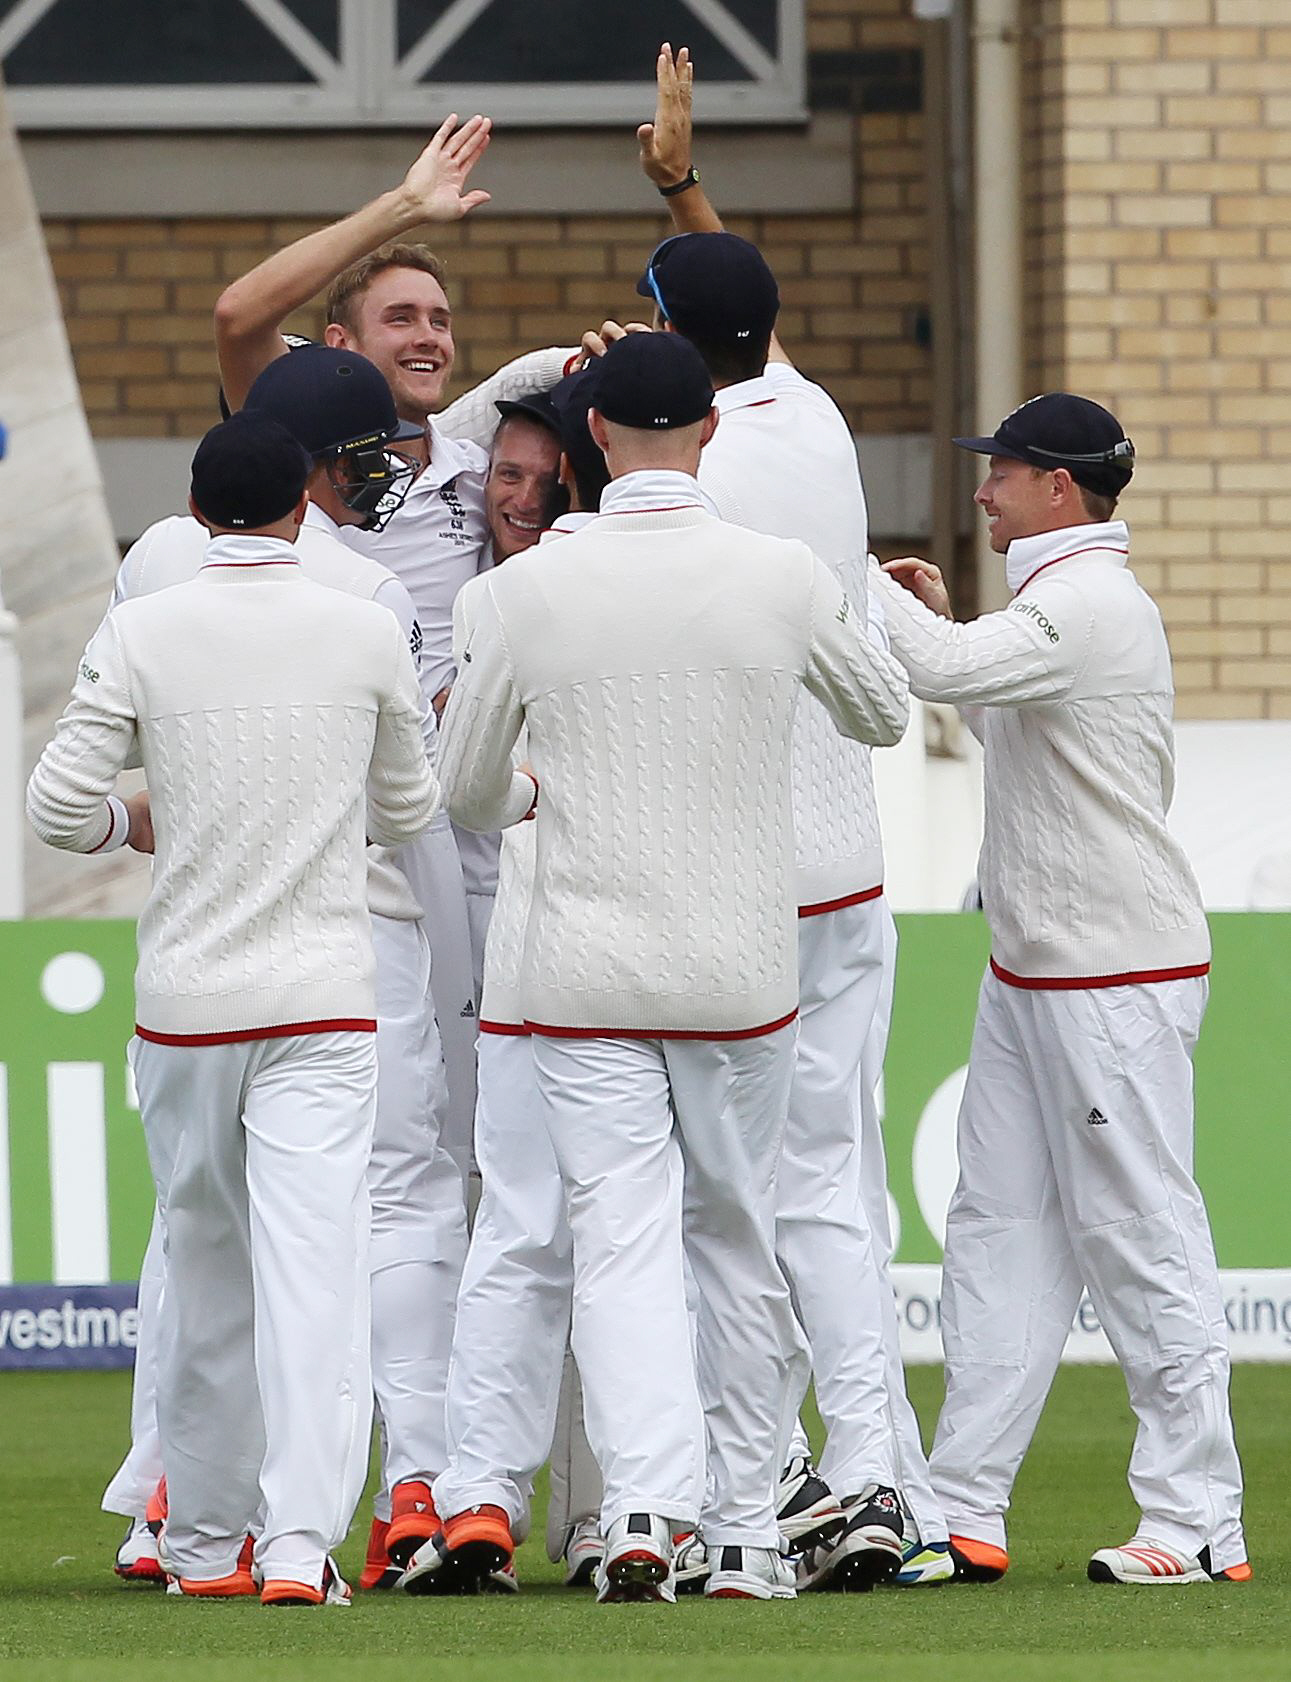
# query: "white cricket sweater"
655,656
1082,883
172,551
264,706
783,461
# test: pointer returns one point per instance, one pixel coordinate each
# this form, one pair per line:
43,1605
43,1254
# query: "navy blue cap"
652,381
534,406
1062,430
248,472
331,400
716,288
571,399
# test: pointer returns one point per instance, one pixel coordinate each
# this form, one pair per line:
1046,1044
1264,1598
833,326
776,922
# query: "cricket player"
277,723
655,656
784,462
1076,1126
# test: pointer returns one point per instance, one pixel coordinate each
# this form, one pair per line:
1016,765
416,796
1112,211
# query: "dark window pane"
322,18
570,41
88,43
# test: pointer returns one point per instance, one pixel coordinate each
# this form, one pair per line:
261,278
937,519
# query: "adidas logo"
468,1009
420,1506
1096,1118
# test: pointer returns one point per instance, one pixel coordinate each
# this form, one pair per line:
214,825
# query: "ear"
336,336
1063,484
301,508
709,426
665,325
596,426
197,514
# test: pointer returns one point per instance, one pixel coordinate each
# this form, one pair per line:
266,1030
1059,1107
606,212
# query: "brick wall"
138,295
1161,255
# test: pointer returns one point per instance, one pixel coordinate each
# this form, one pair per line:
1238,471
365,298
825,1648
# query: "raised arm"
667,156
250,312
69,803
482,789
474,416
861,686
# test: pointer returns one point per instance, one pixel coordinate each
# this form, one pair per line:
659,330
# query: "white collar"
448,458
1029,555
321,520
745,394
565,524
651,491
237,551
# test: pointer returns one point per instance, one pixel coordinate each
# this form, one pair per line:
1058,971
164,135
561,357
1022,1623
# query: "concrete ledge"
147,478
531,172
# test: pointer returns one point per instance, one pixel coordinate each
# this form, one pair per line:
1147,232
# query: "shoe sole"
1100,1572
142,1575
635,1576
580,1576
876,1560
749,1588
388,1576
812,1530
401,1545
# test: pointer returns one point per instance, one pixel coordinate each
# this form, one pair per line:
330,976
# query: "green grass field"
64,1617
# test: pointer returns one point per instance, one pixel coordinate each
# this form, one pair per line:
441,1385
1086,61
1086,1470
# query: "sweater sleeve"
68,800
403,794
1031,651
861,686
483,718
472,415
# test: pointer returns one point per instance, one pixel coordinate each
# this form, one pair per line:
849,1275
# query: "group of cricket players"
515,978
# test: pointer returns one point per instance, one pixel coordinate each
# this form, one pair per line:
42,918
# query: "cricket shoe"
284,1591
137,1561
584,1550
689,1563
1143,1561
868,1550
501,1581
157,1509
977,1562
807,1510
462,1554
379,1570
240,1581
413,1521
638,1560
749,1574
921,1562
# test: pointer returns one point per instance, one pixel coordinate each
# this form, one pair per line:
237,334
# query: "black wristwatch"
688,180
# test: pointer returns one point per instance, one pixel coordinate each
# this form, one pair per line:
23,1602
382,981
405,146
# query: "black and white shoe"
689,1563
749,1574
867,1551
638,1560
807,1510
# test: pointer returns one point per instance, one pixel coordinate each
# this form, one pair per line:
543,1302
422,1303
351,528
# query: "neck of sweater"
1026,555
249,551
652,491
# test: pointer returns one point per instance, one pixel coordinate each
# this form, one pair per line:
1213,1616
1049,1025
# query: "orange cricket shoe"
240,1581
977,1562
284,1591
413,1521
379,1572
479,1540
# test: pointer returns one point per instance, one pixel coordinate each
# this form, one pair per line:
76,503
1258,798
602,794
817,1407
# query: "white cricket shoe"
749,1574
1141,1560
807,1510
137,1558
584,1550
638,1560
689,1563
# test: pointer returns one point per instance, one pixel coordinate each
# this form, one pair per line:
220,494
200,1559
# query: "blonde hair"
352,283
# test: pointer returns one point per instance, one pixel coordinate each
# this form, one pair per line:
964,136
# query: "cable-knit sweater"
783,461
265,706
656,656
1082,883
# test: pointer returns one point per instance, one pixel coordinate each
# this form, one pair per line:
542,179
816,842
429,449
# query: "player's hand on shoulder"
666,142
140,836
922,579
433,185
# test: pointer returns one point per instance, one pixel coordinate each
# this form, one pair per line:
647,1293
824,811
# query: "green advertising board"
77,1202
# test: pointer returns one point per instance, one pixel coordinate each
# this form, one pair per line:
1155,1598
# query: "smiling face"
523,471
402,322
1021,501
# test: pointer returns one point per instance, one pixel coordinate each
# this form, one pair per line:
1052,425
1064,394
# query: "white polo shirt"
434,542
783,462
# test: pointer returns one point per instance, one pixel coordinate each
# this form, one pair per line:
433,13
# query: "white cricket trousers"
652,1136
513,1311
1075,1159
259,1150
140,1472
418,1214
823,1235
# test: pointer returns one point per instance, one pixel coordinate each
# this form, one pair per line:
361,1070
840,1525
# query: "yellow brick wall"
138,295
1160,255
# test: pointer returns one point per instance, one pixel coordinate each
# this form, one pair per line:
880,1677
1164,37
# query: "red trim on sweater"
819,909
112,829
672,508
1070,983
518,1028
561,1033
1089,549
280,1031
287,561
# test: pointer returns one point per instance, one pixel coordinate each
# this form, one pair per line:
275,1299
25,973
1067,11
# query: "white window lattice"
131,64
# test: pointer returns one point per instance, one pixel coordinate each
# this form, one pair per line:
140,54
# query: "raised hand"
922,579
433,185
598,340
666,142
